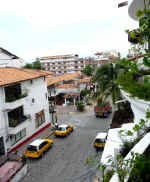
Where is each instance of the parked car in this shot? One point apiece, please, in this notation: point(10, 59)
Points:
point(63, 130)
point(100, 139)
point(38, 147)
point(103, 110)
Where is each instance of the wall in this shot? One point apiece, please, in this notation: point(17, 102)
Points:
point(7, 61)
point(37, 90)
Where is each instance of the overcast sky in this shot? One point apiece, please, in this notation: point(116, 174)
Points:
point(33, 28)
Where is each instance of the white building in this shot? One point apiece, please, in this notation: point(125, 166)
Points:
point(8, 59)
point(139, 108)
point(61, 64)
point(24, 109)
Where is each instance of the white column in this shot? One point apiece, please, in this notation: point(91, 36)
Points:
point(65, 101)
point(74, 101)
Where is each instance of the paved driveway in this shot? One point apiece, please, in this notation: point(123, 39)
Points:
point(65, 162)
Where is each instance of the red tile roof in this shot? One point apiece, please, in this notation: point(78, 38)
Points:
point(66, 86)
point(58, 57)
point(69, 76)
point(14, 75)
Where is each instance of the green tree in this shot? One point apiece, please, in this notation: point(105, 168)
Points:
point(28, 66)
point(35, 65)
point(88, 70)
point(105, 77)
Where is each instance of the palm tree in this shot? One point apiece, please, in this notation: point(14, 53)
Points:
point(105, 77)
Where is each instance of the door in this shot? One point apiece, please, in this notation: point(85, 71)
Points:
point(2, 147)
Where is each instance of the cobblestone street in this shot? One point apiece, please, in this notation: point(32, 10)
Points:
point(65, 162)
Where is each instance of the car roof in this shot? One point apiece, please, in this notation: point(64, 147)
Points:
point(63, 125)
point(37, 142)
point(101, 135)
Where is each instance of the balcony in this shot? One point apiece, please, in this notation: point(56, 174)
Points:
point(15, 98)
point(15, 122)
point(139, 106)
point(17, 119)
point(19, 127)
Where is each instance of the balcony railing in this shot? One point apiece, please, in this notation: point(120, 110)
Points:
point(14, 98)
point(15, 122)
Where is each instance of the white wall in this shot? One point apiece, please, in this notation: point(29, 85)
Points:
point(7, 61)
point(37, 90)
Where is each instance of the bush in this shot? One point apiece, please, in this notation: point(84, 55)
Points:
point(85, 92)
point(127, 146)
point(135, 88)
point(80, 106)
point(108, 175)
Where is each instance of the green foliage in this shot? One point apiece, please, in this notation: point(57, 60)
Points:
point(148, 114)
point(136, 89)
point(13, 123)
point(85, 92)
point(80, 106)
point(35, 65)
point(128, 145)
point(28, 66)
point(14, 98)
point(105, 77)
point(88, 70)
point(140, 13)
point(141, 169)
point(108, 175)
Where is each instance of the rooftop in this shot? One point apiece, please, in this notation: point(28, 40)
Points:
point(37, 142)
point(66, 86)
point(69, 76)
point(13, 75)
point(58, 56)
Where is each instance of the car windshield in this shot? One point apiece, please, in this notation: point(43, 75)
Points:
point(32, 148)
point(61, 129)
point(98, 140)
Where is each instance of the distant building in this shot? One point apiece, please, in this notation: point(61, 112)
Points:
point(8, 59)
point(61, 64)
point(106, 57)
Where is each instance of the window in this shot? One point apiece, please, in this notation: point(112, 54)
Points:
point(43, 144)
point(12, 92)
point(40, 118)
point(18, 136)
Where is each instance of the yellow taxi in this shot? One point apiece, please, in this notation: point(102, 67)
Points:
point(100, 139)
point(38, 147)
point(63, 130)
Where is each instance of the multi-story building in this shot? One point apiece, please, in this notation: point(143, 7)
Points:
point(105, 57)
point(24, 109)
point(139, 105)
point(72, 63)
point(62, 63)
point(8, 59)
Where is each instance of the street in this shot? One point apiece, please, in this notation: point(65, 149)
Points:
point(66, 160)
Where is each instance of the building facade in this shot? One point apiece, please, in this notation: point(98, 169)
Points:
point(72, 63)
point(24, 108)
point(61, 64)
point(8, 59)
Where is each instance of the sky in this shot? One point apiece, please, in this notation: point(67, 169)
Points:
point(35, 28)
